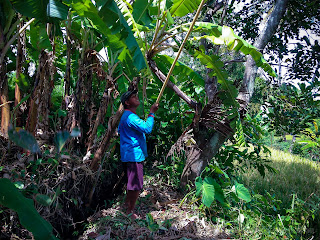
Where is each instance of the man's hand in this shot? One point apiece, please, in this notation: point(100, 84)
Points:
point(154, 108)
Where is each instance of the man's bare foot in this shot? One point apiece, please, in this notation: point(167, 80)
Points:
point(133, 216)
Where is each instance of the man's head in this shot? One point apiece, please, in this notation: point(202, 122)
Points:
point(130, 99)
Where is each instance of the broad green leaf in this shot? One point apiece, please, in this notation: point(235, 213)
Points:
point(219, 195)
point(152, 225)
point(182, 72)
point(39, 37)
point(19, 185)
point(228, 92)
point(205, 27)
point(43, 10)
point(125, 57)
point(57, 10)
point(141, 12)
point(23, 139)
point(239, 135)
point(170, 20)
point(181, 8)
point(62, 113)
point(198, 183)
point(32, 8)
point(242, 192)
point(233, 42)
point(208, 191)
point(5, 12)
point(10, 197)
point(114, 19)
point(206, 188)
point(310, 144)
point(111, 23)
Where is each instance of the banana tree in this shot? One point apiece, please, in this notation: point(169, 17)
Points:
point(42, 37)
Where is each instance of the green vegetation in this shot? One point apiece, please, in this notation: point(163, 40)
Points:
point(63, 67)
point(293, 192)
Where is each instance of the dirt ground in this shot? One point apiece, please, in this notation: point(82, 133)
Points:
point(160, 217)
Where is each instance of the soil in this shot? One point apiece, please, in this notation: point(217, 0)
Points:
point(160, 217)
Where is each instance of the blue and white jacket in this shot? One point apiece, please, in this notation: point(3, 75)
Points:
point(132, 129)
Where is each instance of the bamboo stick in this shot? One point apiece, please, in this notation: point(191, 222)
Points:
point(179, 52)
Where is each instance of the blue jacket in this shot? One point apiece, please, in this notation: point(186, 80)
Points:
point(132, 129)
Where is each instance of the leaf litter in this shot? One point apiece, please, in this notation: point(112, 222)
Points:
point(160, 217)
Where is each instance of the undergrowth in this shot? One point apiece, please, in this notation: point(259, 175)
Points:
point(252, 201)
point(286, 201)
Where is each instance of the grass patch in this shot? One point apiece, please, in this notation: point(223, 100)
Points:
point(295, 175)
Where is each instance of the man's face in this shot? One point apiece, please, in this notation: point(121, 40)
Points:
point(133, 101)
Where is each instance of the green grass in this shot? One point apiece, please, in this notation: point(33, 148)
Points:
point(295, 175)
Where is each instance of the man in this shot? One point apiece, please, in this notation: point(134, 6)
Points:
point(133, 147)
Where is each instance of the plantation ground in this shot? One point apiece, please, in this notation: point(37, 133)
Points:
point(163, 217)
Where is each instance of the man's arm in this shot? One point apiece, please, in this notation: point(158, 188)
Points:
point(143, 126)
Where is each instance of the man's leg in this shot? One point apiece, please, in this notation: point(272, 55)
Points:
point(134, 186)
point(131, 199)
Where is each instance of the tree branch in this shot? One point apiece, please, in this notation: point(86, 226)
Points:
point(162, 77)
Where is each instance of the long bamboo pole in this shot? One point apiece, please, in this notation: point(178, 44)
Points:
point(179, 52)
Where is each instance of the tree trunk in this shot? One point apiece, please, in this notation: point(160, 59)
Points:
point(260, 43)
point(292, 143)
point(106, 99)
point(36, 96)
point(38, 118)
point(4, 99)
point(5, 107)
point(19, 62)
point(82, 95)
point(67, 77)
point(209, 139)
point(103, 147)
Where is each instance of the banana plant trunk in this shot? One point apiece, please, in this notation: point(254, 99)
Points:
point(4, 98)
point(37, 93)
point(5, 107)
point(19, 62)
point(38, 118)
point(105, 102)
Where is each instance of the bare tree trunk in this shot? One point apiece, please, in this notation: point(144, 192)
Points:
point(292, 143)
point(260, 43)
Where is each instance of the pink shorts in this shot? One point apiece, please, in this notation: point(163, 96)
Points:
point(134, 172)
